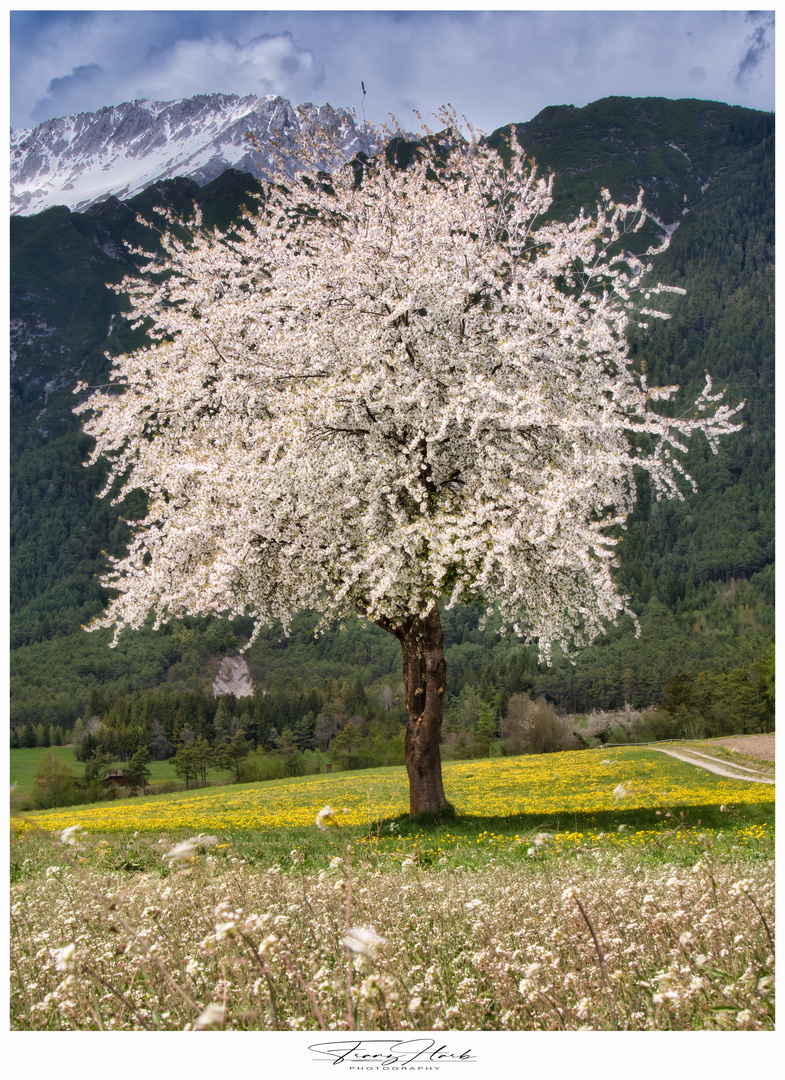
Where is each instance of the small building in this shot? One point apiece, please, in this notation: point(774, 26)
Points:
point(117, 778)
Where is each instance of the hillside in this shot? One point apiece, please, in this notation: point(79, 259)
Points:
point(700, 572)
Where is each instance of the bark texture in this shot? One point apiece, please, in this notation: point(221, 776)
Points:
point(424, 671)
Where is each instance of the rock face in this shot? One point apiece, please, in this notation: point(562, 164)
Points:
point(120, 150)
point(233, 678)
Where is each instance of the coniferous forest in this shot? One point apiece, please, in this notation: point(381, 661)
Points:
point(700, 572)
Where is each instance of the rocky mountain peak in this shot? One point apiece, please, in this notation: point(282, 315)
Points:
point(120, 150)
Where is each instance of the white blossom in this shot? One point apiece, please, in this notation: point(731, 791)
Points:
point(740, 888)
point(187, 848)
point(64, 960)
point(267, 944)
point(211, 1015)
point(72, 835)
point(418, 391)
point(364, 940)
point(325, 818)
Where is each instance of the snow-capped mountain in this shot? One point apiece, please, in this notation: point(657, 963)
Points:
point(120, 150)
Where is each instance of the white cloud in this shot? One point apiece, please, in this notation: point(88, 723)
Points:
point(270, 63)
point(139, 54)
point(495, 66)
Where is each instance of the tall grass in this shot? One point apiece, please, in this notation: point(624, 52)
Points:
point(342, 933)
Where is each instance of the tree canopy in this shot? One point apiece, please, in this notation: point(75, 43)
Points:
point(394, 385)
point(387, 388)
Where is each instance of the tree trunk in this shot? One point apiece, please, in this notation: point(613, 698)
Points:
point(424, 671)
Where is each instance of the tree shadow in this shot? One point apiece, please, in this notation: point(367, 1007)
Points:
point(668, 819)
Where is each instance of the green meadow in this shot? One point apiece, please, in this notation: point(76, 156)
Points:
point(24, 763)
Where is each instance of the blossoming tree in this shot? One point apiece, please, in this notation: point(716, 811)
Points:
point(389, 389)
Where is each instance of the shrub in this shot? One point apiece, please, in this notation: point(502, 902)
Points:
point(260, 766)
point(313, 762)
point(55, 783)
point(165, 787)
point(459, 746)
point(532, 727)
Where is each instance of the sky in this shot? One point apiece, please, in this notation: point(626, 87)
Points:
point(492, 66)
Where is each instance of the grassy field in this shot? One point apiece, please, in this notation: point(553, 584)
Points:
point(613, 783)
point(24, 762)
point(618, 889)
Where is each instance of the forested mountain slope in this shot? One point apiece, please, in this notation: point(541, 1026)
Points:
point(700, 572)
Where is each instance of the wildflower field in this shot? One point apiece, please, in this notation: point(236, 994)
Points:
point(619, 889)
point(562, 784)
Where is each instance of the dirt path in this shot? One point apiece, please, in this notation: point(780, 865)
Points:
point(709, 764)
point(759, 746)
point(723, 761)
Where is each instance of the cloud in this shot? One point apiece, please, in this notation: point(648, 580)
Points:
point(496, 66)
point(757, 46)
point(268, 63)
point(159, 55)
point(66, 89)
